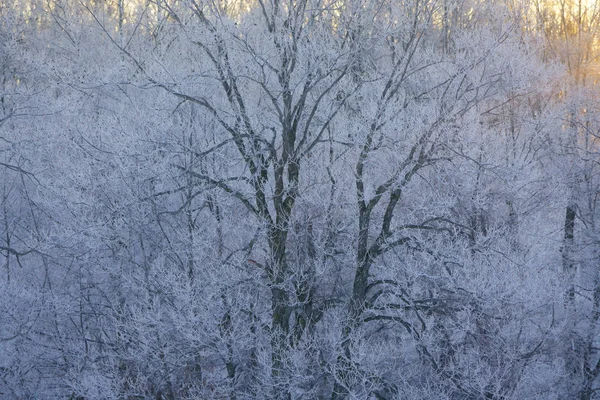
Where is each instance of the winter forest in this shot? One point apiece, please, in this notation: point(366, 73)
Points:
point(300, 199)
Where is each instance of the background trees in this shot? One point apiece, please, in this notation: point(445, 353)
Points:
point(313, 199)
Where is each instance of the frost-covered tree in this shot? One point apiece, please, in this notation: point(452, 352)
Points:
point(297, 199)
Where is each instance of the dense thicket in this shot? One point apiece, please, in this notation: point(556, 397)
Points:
point(310, 199)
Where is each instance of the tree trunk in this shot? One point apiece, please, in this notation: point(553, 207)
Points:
point(567, 251)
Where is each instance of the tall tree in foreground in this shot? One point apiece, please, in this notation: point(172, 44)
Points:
point(271, 81)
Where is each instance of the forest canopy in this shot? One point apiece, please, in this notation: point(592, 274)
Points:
point(310, 199)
